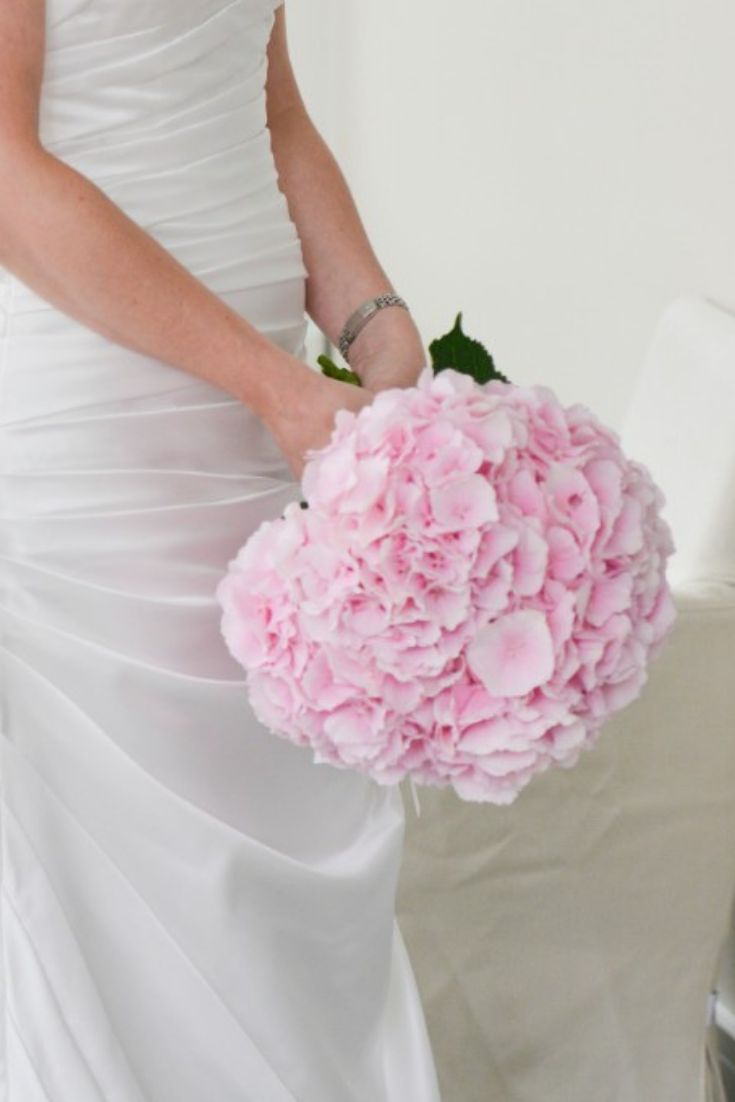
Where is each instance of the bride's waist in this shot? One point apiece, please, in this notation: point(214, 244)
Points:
point(57, 373)
point(233, 239)
point(202, 180)
point(208, 193)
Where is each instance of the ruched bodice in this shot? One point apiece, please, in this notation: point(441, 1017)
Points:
point(190, 907)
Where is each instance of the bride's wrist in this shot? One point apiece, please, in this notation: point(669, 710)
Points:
point(390, 329)
point(285, 385)
point(389, 351)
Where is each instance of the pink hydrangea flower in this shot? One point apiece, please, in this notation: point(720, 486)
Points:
point(477, 585)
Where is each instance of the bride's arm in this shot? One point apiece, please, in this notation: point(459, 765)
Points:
point(343, 268)
point(62, 236)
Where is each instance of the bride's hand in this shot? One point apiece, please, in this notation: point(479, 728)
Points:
point(308, 423)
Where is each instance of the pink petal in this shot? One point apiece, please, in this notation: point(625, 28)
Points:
point(513, 654)
point(609, 595)
point(465, 501)
point(627, 534)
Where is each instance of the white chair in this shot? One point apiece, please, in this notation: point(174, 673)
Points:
point(566, 947)
point(725, 1010)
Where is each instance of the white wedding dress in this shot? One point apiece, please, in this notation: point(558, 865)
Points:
point(192, 910)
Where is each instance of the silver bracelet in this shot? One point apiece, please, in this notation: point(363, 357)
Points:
point(359, 317)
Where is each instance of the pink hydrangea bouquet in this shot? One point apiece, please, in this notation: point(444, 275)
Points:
point(474, 584)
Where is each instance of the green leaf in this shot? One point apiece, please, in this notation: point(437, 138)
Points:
point(330, 368)
point(465, 354)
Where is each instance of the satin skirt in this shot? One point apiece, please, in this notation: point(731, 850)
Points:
point(190, 907)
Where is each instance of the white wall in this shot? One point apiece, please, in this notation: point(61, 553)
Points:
point(557, 171)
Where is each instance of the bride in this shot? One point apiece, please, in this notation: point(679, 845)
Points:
point(191, 907)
